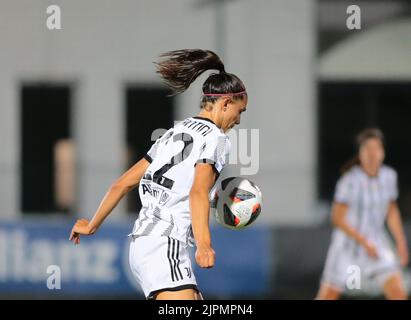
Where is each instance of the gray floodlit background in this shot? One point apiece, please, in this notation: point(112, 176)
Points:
point(79, 105)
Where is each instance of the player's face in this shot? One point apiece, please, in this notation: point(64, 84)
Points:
point(372, 153)
point(232, 112)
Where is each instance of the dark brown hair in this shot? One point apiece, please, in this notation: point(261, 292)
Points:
point(180, 68)
point(362, 137)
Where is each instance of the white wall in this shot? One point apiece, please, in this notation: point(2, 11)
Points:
point(380, 53)
point(105, 44)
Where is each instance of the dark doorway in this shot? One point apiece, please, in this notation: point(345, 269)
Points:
point(45, 121)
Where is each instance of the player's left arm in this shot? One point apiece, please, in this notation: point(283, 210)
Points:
point(125, 183)
point(204, 179)
point(395, 226)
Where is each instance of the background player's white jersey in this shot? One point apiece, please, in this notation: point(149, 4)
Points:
point(368, 199)
point(166, 184)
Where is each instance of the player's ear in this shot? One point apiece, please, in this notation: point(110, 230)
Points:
point(226, 102)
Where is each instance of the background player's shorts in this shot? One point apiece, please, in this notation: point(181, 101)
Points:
point(341, 264)
point(161, 264)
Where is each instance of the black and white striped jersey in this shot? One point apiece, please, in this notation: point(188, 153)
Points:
point(165, 186)
point(368, 199)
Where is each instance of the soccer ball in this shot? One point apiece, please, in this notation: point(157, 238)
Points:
point(236, 203)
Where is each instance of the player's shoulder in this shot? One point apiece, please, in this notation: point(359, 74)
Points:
point(351, 175)
point(217, 137)
point(388, 171)
point(218, 134)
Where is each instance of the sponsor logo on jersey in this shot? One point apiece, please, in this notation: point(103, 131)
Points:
point(161, 195)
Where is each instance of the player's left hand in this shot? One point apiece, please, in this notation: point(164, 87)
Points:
point(205, 256)
point(402, 250)
point(80, 227)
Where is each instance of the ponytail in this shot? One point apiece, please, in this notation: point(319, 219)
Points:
point(181, 67)
point(352, 162)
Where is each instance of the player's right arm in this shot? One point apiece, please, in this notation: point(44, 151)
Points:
point(126, 182)
point(339, 219)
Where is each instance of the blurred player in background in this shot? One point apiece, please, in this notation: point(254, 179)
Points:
point(175, 178)
point(364, 200)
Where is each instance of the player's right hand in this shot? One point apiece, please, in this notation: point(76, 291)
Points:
point(81, 227)
point(205, 256)
point(371, 249)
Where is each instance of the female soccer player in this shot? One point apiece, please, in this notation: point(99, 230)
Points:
point(364, 200)
point(175, 178)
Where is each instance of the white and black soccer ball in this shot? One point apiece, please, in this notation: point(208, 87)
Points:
point(236, 203)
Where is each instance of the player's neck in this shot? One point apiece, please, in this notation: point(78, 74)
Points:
point(370, 171)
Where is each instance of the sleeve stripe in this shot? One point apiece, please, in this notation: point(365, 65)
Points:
point(148, 158)
point(212, 165)
point(206, 161)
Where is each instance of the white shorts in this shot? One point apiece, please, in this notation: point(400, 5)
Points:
point(161, 264)
point(340, 264)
